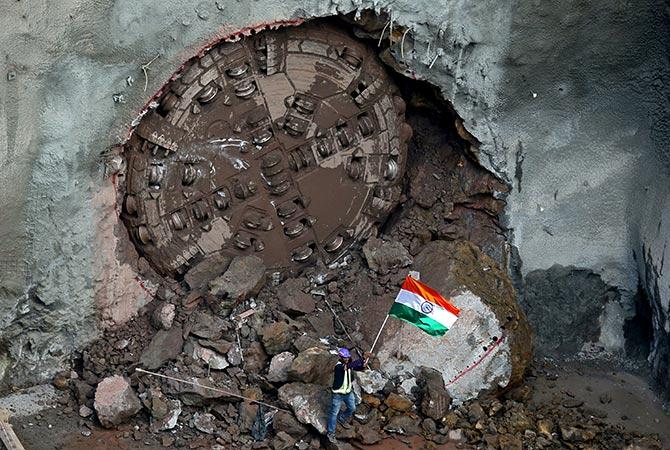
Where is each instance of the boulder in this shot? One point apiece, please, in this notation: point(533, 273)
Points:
point(279, 366)
point(115, 401)
point(305, 341)
point(314, 365)
point(199, 394)
point(285, 422)
point(245, 277)
point(206, 325)
point(208, 357)
point(204, 422)
point(166, 345)
point(199, 276)
point(370, 381)
point(277, 337)
point(309, 402)
point(254, 358)
point(402, 424)
point(490, 345)
point(398, 402)
point(234, 355)
point(163, 316)
point(293, 300)
point(322, 323)
point(164, 411)
point(385, 256)
point(435, 399)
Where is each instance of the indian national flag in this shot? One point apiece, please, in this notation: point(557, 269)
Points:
point(423, 307)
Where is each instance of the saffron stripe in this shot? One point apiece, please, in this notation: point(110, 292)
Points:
point(402, 312)
point(430, 294)
point(421, 305)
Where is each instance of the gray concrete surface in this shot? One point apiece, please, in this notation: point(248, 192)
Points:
point(569, 101)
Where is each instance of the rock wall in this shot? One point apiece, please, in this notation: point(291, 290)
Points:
point(567, 101)
point(652, 252)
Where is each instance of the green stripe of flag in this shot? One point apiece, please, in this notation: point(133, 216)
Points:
point(417, 319)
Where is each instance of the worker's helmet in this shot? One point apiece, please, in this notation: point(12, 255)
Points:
point(344, 353)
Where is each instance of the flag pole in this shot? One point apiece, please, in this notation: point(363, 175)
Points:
point(379, 333)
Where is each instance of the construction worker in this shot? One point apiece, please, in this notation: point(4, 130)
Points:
point(342, 391)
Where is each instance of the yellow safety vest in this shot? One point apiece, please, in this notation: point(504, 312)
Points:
point(346, 382)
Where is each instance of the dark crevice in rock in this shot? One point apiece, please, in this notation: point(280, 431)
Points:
point(639, 330)
point(518, 168)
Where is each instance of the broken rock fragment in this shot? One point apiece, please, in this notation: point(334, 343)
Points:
point(115, 401)
point(207, 326)
point(164, 346)
point(245, 277)
point(385, 256)
point(293, 300)
point(164, 411)
point(309, 403)
point(370, 381)
point(277, 337)
point(314, 365)
point(191, 394)
point(285, 422)
point(279, 367)
point(435, 399)
point(163, 316)
point(234, 355)
point(254, 358)
point(402, 424)
point(210, 358)
point(204, 422)
point(398, 402)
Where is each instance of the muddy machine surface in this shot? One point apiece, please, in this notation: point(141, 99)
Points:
point(290, 145)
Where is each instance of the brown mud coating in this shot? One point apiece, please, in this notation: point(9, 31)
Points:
point(290, 145)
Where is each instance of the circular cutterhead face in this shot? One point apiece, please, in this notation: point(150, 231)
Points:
point(289, 145)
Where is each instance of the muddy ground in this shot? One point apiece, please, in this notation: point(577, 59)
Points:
point(634, 407)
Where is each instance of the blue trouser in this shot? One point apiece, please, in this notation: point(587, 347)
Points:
point(336, 404)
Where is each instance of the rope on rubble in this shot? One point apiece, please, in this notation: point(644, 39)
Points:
point(215, 389)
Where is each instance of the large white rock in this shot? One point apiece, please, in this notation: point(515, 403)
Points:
point(489, 346)
point(456, 351)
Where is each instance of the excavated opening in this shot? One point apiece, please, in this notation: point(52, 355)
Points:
point(259, 147)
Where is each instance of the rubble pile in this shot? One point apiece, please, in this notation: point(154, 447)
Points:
point(257, 352)
point(283, 356)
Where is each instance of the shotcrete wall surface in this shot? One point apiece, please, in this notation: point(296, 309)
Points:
point(566, 100)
